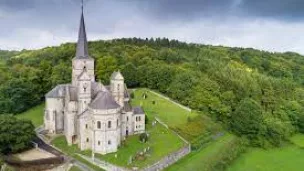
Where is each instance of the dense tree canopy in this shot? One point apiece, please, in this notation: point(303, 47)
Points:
point(254, 93)
point(15, 135)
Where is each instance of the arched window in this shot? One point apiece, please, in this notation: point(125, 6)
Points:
point(86, 125)
point(118, 87)
point(117, 122)
point(109, 142)
point(109, 124)
point(127, 118)
point(139, 118)
point(98, 124)
point(87, 139)
point(98, 142)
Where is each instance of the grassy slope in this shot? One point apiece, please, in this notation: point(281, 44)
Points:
point(198, 159)
point(288, 158)
point(168, 112)
point(74, 168)
point(35, 115)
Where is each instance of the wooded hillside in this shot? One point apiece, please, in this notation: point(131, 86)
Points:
point(256, 94)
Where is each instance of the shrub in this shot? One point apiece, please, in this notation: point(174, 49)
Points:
point(143, 137)
point(146, 119)
point(132, 95)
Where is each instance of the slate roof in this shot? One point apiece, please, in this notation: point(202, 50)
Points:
point(82, 44)
point(104, 101)
point(57, 92)
point(138, 110)
point(127, 107)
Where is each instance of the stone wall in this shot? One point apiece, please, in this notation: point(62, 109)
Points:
point(169, 159)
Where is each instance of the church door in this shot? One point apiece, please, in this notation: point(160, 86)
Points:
point(74, 137)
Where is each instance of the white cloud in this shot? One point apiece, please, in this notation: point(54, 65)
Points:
point(262, 34)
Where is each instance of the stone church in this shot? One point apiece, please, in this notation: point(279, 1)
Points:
point(94, 116)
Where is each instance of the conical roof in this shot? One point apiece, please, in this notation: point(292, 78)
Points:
point(116, 76)
point(82, 44)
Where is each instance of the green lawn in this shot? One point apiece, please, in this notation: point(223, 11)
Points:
point(288, 158)
point(74, 168)
point(298, 140)
point(168, 112)
point(197, 160)
point(35, 115)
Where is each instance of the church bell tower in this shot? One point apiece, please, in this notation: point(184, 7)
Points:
point(82, 62)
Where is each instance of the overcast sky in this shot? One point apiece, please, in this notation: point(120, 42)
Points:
point(274, 25)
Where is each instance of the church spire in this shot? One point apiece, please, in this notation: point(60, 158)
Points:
point(82, 44)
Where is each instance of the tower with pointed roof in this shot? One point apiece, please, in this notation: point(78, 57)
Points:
point(82, 60)
point(117, 87)
point(86, 112)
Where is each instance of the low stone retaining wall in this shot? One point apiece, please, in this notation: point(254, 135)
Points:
point(47, 161)
point(169, 160)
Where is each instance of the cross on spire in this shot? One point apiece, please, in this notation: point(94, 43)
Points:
point(82, 6)
point(82, 44)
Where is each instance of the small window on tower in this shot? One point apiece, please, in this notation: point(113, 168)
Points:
point(87, 139)
point(98, 124)
point(109, 142)
point(109, 124)
point(86, 126)
point(84, 68)
point(127, 118)
point(98, 142)
point(84, 89)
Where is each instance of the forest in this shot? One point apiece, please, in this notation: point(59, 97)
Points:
point(254, 94)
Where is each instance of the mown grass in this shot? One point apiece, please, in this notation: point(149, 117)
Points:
point(170, 113)
point(34, 114)
point(74, 168)
point(287, 158)
point(298, 140)
point(198, 160)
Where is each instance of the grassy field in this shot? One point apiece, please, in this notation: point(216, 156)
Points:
point(298, 140)
point(35, 115)
point(197, 160)
point(74, 168)
point(288, 158)
point(168, 112)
